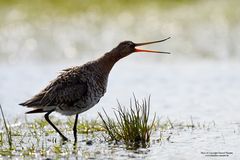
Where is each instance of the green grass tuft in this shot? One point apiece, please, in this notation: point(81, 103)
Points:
point(131, 125)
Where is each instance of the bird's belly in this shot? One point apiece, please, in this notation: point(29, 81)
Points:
point(86, 102)
point(90, 102)
point(95, 91)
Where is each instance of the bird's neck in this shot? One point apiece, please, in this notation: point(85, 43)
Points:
point(107, 61)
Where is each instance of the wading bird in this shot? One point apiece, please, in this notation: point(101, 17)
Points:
point(79, 88)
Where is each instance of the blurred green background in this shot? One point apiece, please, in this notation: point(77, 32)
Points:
point(69, 29)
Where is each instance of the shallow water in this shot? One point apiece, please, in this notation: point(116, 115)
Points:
point(207, 91)
point(182, 144)
point(204, 141)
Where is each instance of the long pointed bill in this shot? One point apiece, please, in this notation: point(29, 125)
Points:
point(152, 51)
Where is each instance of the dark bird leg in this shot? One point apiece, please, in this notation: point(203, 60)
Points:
point(75, 129)
point(48, 120)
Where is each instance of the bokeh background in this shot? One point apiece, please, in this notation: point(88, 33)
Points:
point(200, 79)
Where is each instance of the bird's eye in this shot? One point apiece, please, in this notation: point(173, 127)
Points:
point(130, 44)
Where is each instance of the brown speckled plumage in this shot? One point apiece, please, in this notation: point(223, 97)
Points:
point(73, 91)
point(79, 88)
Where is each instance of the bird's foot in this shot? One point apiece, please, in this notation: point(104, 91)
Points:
point(75, 147)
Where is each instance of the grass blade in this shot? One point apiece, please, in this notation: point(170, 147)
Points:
point(8, 130)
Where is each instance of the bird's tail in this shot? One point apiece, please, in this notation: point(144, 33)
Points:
point(34, 102)
point(40, 110)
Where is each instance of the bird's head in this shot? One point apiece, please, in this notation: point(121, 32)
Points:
point(127, 47)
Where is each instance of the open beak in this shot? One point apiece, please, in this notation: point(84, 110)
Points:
point(146, 43)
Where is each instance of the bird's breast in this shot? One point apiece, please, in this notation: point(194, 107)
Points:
point(96, 88)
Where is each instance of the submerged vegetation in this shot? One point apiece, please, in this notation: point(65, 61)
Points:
point(131, 129)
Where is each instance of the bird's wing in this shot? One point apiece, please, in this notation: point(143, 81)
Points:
point(62, 94)
point(67, 88)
